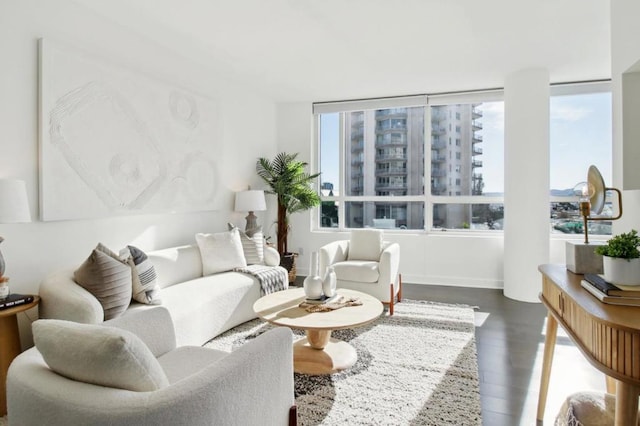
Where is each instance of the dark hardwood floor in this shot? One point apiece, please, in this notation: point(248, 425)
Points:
point(510, 342)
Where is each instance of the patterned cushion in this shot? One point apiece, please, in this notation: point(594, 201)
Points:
point(145, 286)
point(252, 245)
point(108, 278)
point(220, 252)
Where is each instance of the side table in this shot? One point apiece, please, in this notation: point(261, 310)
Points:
point(10, 345)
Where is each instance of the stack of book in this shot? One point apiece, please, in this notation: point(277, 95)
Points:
point(15, 299)
point(609, 293)
point(322, 300)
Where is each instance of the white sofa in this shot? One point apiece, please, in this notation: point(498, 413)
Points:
point(200, 307)
point(251, 386)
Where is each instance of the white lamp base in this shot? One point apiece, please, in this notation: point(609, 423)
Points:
point(582, 259)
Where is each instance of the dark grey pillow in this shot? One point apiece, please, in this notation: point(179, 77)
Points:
point(108, 278)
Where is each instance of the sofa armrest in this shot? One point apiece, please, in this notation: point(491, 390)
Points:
point(251, 386)
point(332, 253)
point(153, 326)
point(389, 264)
point(61, 298)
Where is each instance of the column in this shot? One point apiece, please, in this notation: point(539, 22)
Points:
point(526, 189)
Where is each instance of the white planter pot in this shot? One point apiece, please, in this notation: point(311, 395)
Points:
point(621, 271)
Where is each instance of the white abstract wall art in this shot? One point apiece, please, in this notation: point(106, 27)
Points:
point(117, 142)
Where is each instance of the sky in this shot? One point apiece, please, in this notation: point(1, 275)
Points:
point(580, 135)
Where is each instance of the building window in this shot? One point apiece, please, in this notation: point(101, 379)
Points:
point(580, 135)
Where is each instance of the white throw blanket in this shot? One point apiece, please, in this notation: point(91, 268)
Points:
point(271, 278)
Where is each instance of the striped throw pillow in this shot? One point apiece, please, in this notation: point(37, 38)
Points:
point(143, 274)
point(252, 246)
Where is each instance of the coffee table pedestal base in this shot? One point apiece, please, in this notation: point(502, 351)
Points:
point(335, 356)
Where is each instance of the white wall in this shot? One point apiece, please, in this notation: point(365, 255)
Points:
point(33, 250)
point(625, 52)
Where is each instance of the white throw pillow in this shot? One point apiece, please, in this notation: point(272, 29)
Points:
point(221, 251)
point(365, 244)
point(97, 354)
point(271, 256)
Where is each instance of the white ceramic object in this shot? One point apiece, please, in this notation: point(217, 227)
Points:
point(312, 284)
point(329, 282)
point(4, 290)
point(621, 271)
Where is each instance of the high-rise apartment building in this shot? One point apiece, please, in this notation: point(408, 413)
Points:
point(385, 157)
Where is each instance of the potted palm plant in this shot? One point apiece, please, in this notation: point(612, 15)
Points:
point(288, 179)
point(621, 259)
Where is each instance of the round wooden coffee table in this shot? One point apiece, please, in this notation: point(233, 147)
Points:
point(318, 352)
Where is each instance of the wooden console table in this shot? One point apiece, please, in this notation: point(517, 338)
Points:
point(607, 335)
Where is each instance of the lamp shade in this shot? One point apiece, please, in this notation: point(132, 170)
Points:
point(14, 206)
point(251, 200)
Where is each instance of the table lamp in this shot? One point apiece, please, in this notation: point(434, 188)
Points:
point(581, 258)
point(251, 200)
point(14, 208)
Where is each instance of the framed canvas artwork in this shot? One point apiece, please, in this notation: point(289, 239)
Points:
point(118, 142)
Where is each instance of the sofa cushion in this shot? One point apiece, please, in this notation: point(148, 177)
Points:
point(145, 286)
point(365, 244)
point(108, 279)
point(221, 251)
point(184, 361)
point(357, 270)
point(204, 307)
point(104, 356)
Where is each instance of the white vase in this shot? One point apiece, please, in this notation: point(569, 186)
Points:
point(329, 282)
point(312, 284)
point(621, 271)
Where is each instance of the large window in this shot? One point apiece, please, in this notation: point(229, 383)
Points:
point(467, 183)
point(411, 167)
point(437, 162)
point(580, 135)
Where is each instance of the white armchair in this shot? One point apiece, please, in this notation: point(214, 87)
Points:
point(251, 386)
point(366, 263)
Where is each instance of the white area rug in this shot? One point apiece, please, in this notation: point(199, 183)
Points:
point(418, 367)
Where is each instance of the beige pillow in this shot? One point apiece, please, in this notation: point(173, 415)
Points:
point(220, 252)
point(97, 354)
point(365, 244)
point(108, 278)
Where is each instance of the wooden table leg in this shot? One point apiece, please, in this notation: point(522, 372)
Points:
point(626, 404)
point(611, 384)
point(549, 346)
point(318, 353)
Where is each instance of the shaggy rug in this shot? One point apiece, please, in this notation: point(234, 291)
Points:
point(417, 367)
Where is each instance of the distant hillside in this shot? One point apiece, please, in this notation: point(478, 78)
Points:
point(553, 193)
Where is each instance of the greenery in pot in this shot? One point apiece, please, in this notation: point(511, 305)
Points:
point(288, 180)
point(623, 246)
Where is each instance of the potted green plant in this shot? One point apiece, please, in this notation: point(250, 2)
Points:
point(621, 259)
point(288, 179)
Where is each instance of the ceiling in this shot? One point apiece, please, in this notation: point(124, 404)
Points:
point(320, 50)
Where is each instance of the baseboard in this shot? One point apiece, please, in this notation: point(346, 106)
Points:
point(473, 282)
